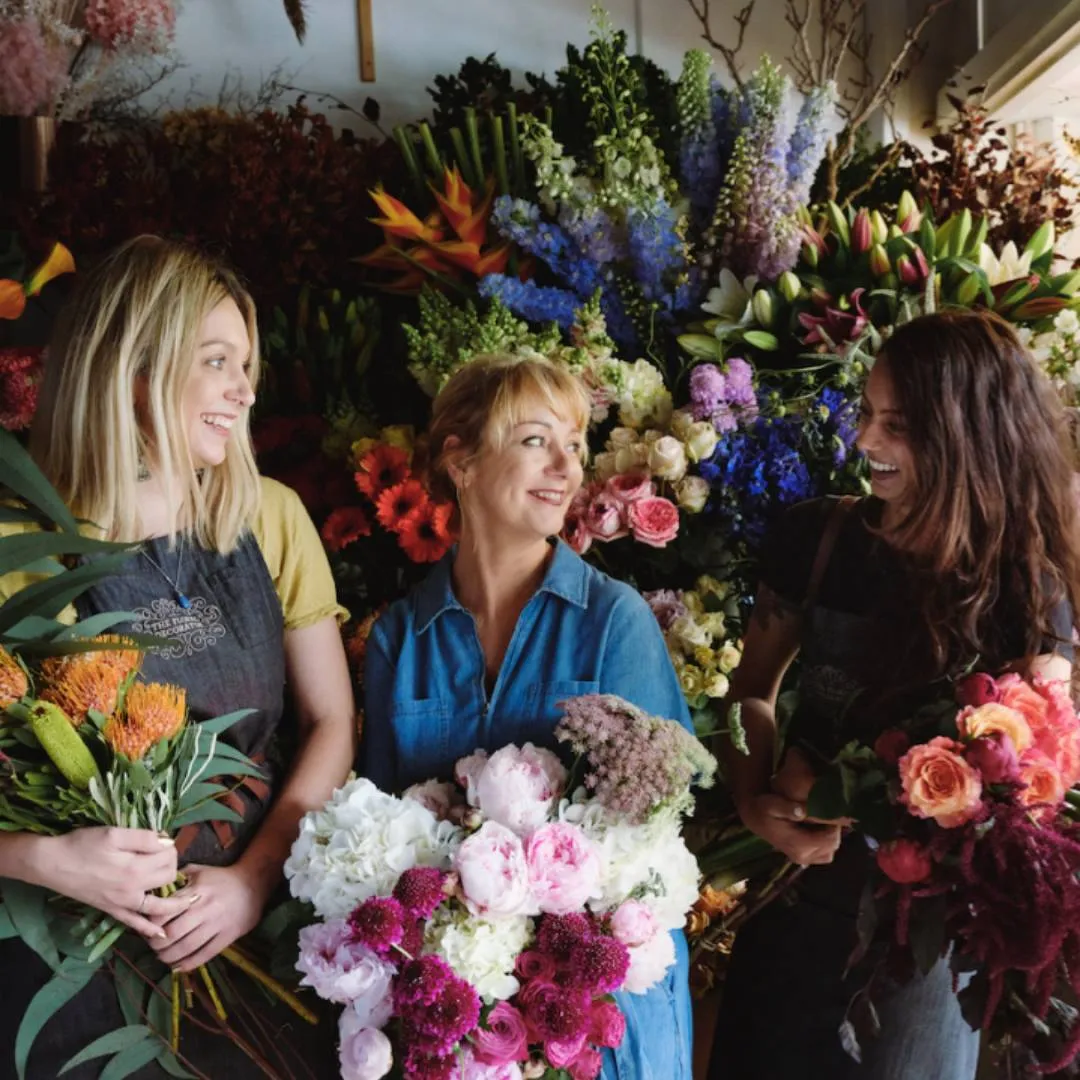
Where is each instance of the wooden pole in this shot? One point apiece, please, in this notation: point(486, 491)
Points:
point(367, 40)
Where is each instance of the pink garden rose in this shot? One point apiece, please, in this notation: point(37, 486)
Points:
point(518, 786)
point(649, 963)
point(629, 487)
point(338, 969)
point(607, 1024)
point(493, 873)
point(473, 1067)
point(365, 1052)
point(587, 1065)
point(938, 783)
point(576, 533)
point(503, 1037)
point(654, 521)
point(564, 868)
point(995, 757)
point(634, 923)
point(904, 861)
point(605, 517)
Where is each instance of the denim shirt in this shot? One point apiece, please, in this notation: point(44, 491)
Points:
point(426, 705)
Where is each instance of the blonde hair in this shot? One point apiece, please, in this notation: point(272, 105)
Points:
point(483, 401)
point(137, 314)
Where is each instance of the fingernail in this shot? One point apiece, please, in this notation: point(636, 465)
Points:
point(798, 812)
point(193, 897)
point(161, 933)
point(166, 841)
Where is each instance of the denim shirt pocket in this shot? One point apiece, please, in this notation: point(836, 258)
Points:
point(542, 704)
point(421, 729)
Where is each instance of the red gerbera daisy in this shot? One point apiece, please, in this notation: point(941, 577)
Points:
point(426, 535)
point(344, 526)
point(397, 504)
point(380, 468)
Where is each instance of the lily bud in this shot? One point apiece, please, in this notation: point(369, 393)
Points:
point(809, 255)
point(907, 213)
point(895, 232)
point(790, 286)
point(762, 304)
point(879, 261)
point(906, 271)
point(861, 233)
point(839, 224)
point(878, 227)
point(1040, 307)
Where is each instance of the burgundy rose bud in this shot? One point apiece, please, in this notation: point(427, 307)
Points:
point(891, 745)
point(904, 861)
point(976, 690)
point(995, 757)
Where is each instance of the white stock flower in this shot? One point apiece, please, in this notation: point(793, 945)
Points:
point(1066, 322)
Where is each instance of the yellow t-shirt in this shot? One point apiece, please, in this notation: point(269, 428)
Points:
point(290, 546)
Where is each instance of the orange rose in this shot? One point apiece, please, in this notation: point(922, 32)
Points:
point(993, 718)
point(1044, 784)
point(1018, 695)
point(938, 783)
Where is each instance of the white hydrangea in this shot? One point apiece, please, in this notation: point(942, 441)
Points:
point(481, 951)
point(360, 843)
point(648, 862)
point(643, 400)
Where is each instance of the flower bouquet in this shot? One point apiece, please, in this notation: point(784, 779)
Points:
point(479, 928)
point(969, 809)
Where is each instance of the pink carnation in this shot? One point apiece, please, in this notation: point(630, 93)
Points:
point(654, 521)
point(503, 1037)
point(34, 73)
point(587, 1065)
point(564, 868)
point(113, 23)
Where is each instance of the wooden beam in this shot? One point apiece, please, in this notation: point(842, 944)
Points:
point(367, 40)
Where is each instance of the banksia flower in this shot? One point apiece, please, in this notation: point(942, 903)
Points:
point(56, 733)
point(152, 712)
point(88, 680)
point(13, 681)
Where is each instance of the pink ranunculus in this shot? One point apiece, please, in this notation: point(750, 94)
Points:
point(654, 521)
point(891, 745)
point(634, 923)
point(938, 783)
point(629, 487)
point(649, 963)
point(439, 797)
point(587, 1065)
point(473, 1067)
point(978, 689)
point(340, 970)
point(467, 771)
point(904, 861)
point(606, 518)
point(518, 787)
point(365, 1052)
point(493, 872)
point(503, 1037)
point(607, 1024)
point(1044, 785)
point(995, 757)
point(564, 868)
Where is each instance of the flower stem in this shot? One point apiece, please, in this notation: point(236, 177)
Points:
point(175, 1039)
point(238, 959)
point(211, 989)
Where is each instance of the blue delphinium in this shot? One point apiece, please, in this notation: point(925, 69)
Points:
point(817, 123)
point(657, 254)
point(526, 299)
point(699, 157)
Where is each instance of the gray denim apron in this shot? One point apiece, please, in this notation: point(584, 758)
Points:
point(228, 655)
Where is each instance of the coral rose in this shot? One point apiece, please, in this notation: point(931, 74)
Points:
point(993, 719)
point(654, 521)
point(1026, 700)
point(1045, 786)
point(904, 861)
point(938, 783)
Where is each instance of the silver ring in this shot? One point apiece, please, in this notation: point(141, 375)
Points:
point(142, 904)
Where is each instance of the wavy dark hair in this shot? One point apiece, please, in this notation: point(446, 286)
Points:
point(991, 537)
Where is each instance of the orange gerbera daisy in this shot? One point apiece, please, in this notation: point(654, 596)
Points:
point(152, 712)
point(345, 526)
point(398, 504)
point(425, 536)
point(380, 468)
point(13, 681)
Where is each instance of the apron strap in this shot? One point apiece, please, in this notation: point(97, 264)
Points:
point(837, 516)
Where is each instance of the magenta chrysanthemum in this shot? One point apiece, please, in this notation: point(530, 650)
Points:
point(420, 891)
point(419, 982)
point(599, 964)
point(34, 73)
point(113, 23)
point(378, 923)
point(560, 934)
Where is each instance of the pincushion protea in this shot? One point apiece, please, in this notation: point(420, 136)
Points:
point(152, 712)
point(89, 680)
point(13, 681)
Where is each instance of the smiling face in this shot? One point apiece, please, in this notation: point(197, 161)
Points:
point(523, 488)
point(218, 393)
point(883, 439)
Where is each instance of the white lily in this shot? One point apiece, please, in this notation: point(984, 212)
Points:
point(1008, 266)
point(730, 301)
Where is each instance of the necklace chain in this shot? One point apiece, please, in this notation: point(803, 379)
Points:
point(181, 599)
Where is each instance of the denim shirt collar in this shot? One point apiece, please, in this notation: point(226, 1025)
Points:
point(566, 577)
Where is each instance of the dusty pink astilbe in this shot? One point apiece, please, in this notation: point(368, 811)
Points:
point(147, 23)
point(636, 762)
point(33, 72)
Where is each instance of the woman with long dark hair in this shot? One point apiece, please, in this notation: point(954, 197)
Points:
point(965, 554)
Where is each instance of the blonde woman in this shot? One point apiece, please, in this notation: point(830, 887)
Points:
point(143, 429)
point(511, 622)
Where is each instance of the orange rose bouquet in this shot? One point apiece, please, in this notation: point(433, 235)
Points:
point(970, 811)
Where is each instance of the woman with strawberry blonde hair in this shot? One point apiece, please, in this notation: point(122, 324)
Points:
point(964, 555)
point(143, 430)
point(512, 622)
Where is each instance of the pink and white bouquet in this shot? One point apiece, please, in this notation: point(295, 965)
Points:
point(477, 929)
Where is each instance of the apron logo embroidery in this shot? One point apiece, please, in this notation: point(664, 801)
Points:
point(193, 628)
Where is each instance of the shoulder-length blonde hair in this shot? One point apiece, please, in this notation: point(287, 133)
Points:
point(134, 321)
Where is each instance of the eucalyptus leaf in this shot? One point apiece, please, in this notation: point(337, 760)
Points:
point(131, 1059)
point(131, 991)
point(71, 977)
point(112, 1043)
point(25, 906)
point(167, 1060)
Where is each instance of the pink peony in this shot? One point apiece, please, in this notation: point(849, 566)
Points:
point(467, 770)
point(437, 796)
point(904, 861)
point(634, 923)
point(365, 1052)
point(563, 866)
point(34, 73)
point(1057, 735)
point(891, 745)
point(649, 963)
point(587, 1065)
point(605, 518)
point(518, 787)
point(503, 1037)
point(473, 1067)
point(607, 1025)
point(976, 690)
point(493, 872)
point(340, 970)
point(630, 487)
point(995, 757)
point(654, 521)
point(938, 783)
point(113, 23)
